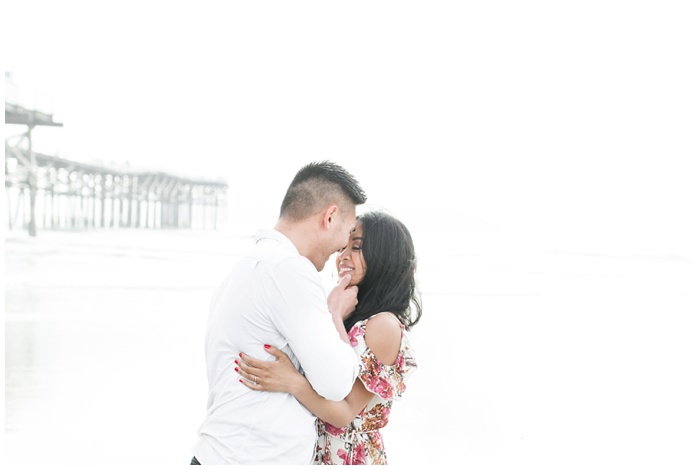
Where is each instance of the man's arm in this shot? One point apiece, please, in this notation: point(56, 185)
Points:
point(383, 337)
point(280, 375)
point(302, 316)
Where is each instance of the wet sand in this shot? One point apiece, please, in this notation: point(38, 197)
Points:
point(525, 357)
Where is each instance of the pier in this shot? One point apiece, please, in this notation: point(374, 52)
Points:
point(50, 192)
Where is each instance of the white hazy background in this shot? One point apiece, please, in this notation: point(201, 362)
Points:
point(543, 154)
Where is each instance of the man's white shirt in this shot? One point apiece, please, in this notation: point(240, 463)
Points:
point(273, 296)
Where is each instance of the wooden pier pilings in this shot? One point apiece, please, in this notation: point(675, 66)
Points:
point(72, 194)
point(51, 192)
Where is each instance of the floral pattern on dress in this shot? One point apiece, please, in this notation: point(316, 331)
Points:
point(360, 443)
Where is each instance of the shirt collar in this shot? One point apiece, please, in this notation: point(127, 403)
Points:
point(271, 234)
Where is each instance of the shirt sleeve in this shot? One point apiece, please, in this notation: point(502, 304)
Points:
point(301, 315)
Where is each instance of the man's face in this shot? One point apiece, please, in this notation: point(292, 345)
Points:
point(335, 237)
point(349, 225)
point(341, 228)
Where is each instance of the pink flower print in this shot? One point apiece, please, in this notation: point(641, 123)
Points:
point(353, 334)
point(344, 456)
point(400, 362)
point(381, 387)
point(358, 455)
point(332, 430)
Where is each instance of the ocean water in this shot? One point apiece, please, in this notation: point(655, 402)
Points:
point(527, 354)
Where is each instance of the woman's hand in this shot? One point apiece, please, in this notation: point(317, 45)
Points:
point(342, 299)
point(279, 375)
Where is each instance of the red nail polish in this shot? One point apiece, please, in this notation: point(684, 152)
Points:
point(236, 361)
point(236, 369)
point(267, 346)
point(240, 355)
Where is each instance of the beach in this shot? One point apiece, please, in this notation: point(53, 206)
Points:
point(527, 354)
point(543, 156)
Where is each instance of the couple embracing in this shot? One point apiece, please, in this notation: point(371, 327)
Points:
point(296, 375)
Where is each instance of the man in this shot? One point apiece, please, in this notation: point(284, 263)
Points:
point(274, 296)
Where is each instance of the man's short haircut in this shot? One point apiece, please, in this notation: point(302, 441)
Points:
point(317, 185)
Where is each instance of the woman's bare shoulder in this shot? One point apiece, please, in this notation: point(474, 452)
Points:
point(383, 337)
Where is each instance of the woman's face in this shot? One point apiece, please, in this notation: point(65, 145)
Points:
point(350, 259)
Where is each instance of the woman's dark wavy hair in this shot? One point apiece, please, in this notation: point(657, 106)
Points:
point(389, 284)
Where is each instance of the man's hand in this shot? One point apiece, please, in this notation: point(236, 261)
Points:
point(342, 299)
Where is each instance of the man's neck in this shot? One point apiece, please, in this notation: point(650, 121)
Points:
point(302, 236)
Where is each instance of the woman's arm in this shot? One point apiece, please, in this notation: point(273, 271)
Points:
point(281, 376)
point(382, 336)
point(338, 413)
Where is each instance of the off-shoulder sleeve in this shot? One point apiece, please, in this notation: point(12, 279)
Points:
point(387, 381)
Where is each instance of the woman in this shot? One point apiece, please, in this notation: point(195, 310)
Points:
point(380, 258)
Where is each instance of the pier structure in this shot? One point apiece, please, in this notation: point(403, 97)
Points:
point(51, 192)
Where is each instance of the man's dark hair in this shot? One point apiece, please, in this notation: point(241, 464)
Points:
point(318, 184)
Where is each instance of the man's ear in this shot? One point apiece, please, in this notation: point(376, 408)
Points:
point(329, 215)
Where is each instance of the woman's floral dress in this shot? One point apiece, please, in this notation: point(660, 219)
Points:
point(360, 443)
